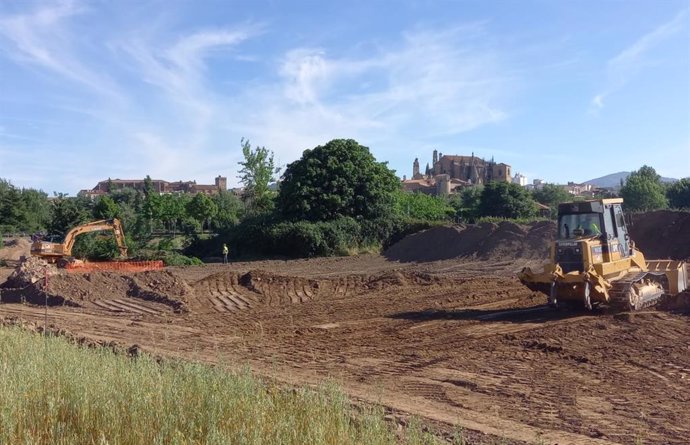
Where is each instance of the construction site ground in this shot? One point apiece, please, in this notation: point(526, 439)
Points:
point(438, 328)
point(458, 343)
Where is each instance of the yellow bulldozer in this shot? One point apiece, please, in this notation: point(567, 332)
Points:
point(61, 253)
point(594, 261)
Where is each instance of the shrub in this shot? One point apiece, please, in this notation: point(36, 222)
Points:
point(169, 258)
point(341, 235)
point(300, 239)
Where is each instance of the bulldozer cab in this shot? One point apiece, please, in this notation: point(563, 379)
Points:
point(600, 219)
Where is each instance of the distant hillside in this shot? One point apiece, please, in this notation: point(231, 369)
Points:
point(614, 180)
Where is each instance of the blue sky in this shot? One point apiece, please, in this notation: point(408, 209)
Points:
point(560, 90)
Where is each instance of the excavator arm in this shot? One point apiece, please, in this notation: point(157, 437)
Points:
point(96, 226)
point(55, 251)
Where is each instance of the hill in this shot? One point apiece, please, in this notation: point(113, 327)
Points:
point(614, 180)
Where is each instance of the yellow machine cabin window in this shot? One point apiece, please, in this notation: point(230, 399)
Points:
point(577, 225)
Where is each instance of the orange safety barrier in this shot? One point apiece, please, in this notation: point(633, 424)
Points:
point(124, 266)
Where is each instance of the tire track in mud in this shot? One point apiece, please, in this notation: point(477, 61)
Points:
point(458, 346)
point(233, 292)
point(120, 305)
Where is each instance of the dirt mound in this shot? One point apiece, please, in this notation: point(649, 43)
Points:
point(662, 234)
point(678, 303)
point(79, 289)
point(15, 249)
point(33, 270)
point(486, 241)
point(232, 291)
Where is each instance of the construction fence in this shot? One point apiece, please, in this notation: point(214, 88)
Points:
point(123, 266)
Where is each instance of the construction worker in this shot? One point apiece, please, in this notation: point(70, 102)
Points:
point(225, 253)
point(592, 228)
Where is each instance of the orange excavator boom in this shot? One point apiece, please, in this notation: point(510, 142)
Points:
point(55, 251)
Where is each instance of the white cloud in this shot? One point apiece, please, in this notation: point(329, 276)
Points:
point(430, 84)
point(179, 124)
point(42, 38)
point(632, 59)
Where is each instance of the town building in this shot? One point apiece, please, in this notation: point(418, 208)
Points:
point(520, 179)
point(449, 173)
point(159, 186)
point(579, 189)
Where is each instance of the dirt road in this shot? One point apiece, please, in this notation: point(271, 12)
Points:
point(456, 342)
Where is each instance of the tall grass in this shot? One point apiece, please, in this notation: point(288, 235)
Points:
point(53, 392)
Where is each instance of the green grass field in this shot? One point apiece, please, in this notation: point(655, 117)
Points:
point(53, 392)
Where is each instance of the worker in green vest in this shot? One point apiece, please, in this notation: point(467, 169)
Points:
point(225, 253)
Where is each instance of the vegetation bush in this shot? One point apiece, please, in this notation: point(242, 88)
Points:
point(169, 258)
point(678, 194)
point(341, 235)
point(270, 236)
point(298, 239)
point(506, 200)
point(551, 195)
point(53, 392)
point(423, 207)
point(495, 219)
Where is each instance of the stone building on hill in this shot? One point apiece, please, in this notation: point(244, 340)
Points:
point(159, 186)
point(448, 173)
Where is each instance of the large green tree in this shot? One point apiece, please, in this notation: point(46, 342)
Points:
point(643, 190)
point(506, 200)
point(202, 208)
point(551, 195)
point(106, 208)
point(341, 178)
point(679, 194)
point(229, 210)
point(173, 210)
point(257, 172)
point(12, 209)
point(66, 213)
point(466, 203)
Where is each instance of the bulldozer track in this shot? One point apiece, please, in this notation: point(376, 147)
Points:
point(119, 305)
point(230, 302)
point(222, 293)
point(621, 288)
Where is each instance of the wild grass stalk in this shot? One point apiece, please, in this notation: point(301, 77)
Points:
point(53, 392)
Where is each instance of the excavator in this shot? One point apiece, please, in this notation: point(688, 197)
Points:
point(594, 261)
point(61, 253)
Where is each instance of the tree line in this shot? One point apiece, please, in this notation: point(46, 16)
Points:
point(336, 199)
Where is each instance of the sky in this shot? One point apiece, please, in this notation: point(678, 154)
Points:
point(560, 90)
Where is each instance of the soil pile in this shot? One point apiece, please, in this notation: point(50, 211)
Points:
point(231, 291)
point(486, 241)
point(677, 303)
point(662, 234)
point(270, 285)
point(76, 289)
point(33, 270)
point(15, 249)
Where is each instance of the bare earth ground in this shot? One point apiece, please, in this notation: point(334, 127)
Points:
point(457, 343)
